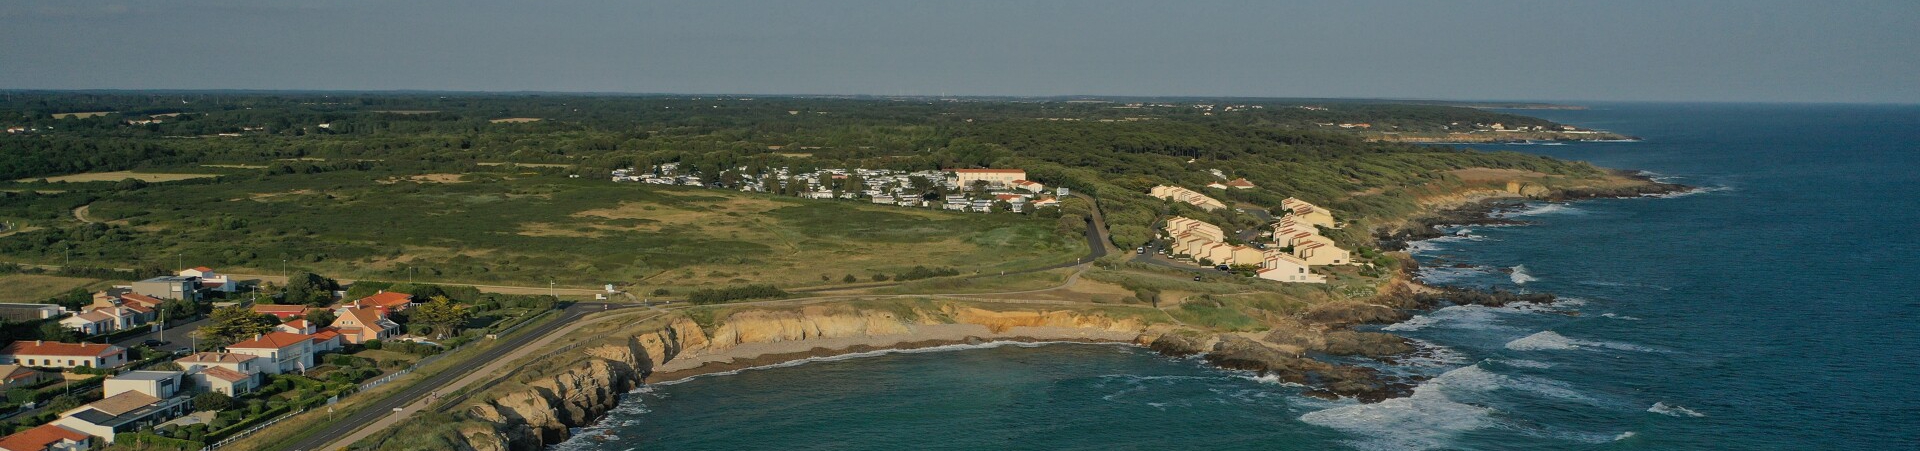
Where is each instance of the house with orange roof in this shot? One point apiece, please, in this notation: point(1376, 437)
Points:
point(47, 437)
point(358, 325)
point(327, 339)
point(1240, 183)
point(241, 363)
point(50, 354)
point(225, 381)
point(388, 300)
point(12, 376)
point(223, 372)
point(282, 352)
point(284, 312)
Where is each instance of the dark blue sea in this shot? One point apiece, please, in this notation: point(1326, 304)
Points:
point(1776, 307)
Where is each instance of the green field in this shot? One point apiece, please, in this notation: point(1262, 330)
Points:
point(515, 229)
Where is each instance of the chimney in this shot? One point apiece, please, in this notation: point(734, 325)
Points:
point(256, 336)
point(39, 342)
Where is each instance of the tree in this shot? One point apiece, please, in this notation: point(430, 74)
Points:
point(212, 401)
point(229, 325)
point(52, 331)
point(850, 279)
point(441, 314)
point(320, 318)
point(310, 289)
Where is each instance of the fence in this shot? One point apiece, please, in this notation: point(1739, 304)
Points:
point(256, 428)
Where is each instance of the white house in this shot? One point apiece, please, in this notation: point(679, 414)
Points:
point(281, 352)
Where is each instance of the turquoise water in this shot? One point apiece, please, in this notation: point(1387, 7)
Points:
point(1773, 309)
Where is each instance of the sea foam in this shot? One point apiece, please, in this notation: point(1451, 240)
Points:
point(1553, 341)
point(1520, 276)
point(1674, 410)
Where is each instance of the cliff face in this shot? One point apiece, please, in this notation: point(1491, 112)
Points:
point(542, 413)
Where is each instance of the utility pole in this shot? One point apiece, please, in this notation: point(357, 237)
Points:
point(550, 288)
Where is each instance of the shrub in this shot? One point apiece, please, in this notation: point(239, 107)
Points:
point(717, 295)
point(212, 401)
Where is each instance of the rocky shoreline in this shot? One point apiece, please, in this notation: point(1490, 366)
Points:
point(590, 382)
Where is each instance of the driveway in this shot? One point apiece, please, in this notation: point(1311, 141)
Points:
point(176, 336)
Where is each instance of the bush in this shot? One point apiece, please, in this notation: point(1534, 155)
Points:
point(212, 401)
point(717, 295)
point(374, 344)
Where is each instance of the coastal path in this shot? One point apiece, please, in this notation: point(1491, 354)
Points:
point(392, 408)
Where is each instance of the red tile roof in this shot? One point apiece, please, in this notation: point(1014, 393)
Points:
point(141, 299)
point(40, 438)
point(202, 269)
point(216, 357)
point(275, 340)
point(387, 299)
point(225, 374)
point(38, 347)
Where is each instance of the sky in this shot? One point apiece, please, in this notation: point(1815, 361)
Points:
point(1621, 50)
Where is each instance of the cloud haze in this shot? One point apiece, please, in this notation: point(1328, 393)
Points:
point(1725, 50)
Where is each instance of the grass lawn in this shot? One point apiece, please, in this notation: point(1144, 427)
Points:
point(37, 288)
point(512, 229)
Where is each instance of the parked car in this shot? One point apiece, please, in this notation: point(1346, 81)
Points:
point(153, 343)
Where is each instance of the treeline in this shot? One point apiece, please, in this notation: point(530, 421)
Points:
point(705, 296)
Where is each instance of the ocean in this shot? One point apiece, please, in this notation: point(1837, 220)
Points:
point(1773, 308)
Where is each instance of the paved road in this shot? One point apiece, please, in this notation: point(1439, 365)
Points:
point(439, 381)
point(176, 336)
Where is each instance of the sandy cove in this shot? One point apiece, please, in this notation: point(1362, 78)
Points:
point(752, 355)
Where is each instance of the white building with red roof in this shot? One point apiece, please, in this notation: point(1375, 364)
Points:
point(280, 352)
point(50, 354)
point(47, 437)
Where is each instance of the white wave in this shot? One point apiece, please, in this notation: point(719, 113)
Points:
point(1435, 412)
point(1552, 341)
point(1674, 410)
point(1267, 379)
point(1624, 436)
point(1441, 275)
point(1520, 275)
point(1543, 209)
point(1476, 317)
point(1691, 192)
point(1425, 420)
point(1619, 316)
point(1452, 317)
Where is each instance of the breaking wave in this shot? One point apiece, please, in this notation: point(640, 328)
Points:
point(1674, 410)
point(1552, 341)
point(1520, 275)
point(1438, 410)
point(1542, 209)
